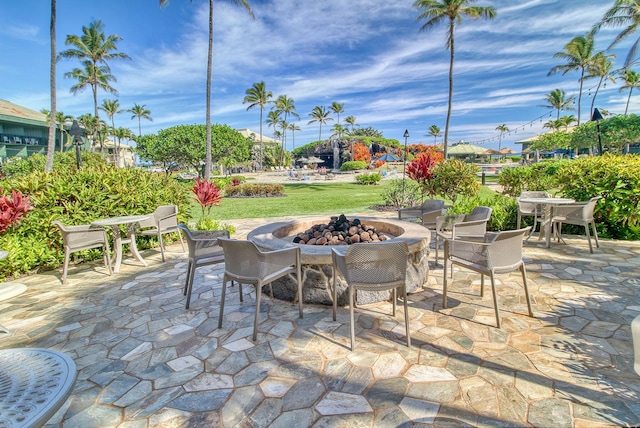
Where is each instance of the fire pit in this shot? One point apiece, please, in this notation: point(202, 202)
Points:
point(316, 259)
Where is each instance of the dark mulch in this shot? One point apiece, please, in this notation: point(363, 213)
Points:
point(383, 208)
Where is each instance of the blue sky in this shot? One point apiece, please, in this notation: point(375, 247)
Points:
point(368, 54)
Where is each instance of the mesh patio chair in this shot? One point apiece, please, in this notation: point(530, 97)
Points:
point(473, 224)
point(245, 263)
point(529, 209)
point(430, 206)
point(497, 253)
point(203, 251)
point(372, 267)
point(162, 221)
point(79, 238)
point(580, 214)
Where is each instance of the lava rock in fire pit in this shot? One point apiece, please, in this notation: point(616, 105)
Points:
point(339, 231)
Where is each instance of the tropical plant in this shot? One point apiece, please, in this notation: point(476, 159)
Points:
point(111, 108)
point(420, 170)
point(94, 50)
point(321, 115)
point(578, 56)
point(208, 156)
point(120, 134)
point(502, 128)
point(207, 194)
point(368, 131)
point(369, 179)
point(557, 100)
point(51, 142)
point(337, 130)
point(61, 120)
point(435, 12)
point(600, 68)
point(141, 112)
point(361, 153)
point(286, 107)
point(12, 208)
point(351, 120)
point(258, 96)
point(273, 121)
point(453, 178)
point(435, 132)
point(338, 108)
point(623, 13)
point(293, 128)
point(631, 80)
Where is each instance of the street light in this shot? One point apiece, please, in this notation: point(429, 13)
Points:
point(77, 133)
point(404, 162)
point(597, 117)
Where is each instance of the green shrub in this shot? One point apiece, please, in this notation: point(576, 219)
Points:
point(65, 160)
point(540, 176)
point(257, 190)
point(207, 223)
point(368, 179)
point(393, 194)
point(78, 197)
point(453, 178)
point(353, 165)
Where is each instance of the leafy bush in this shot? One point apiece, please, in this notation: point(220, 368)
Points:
point(392, 195)
point(250, 190)
point(540, 176)
point(503, 216)
point(207, 223)
point(207, 194)
point(368, 179)
point(78, 197)
point(64, 160)
point(353, 165)
point(453, 178)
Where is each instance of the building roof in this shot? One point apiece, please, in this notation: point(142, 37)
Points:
point(247, 133)
point(14, 112)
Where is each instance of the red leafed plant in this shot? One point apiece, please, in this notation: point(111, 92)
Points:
point(207, 193)
point(420, 169)
point(12, 208)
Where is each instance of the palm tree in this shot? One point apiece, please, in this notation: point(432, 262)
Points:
point(351, 120)
point(623, 13)
point(434, 131)
point(578, 55)
point(600, 68)
point(502, 128)
point(92, 124)
point(208, 161)
point(554, 124)
point(273, 120)
point(435, 12)
point(94, 50)
point(120, 133)
point(293, 128)
point(61, 120)
point(257, 95)
point(556, 99)
point(140, 112)
point(321, 115)
point(338, 130)
point(111, 107)
point(631, 80)
point(338, 108)
point(286, 107)
point(51, 143)
point(567, 121)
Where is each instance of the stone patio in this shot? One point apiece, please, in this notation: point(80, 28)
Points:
point(143, 360)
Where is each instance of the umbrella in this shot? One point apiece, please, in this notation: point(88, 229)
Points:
point(313, 159)
point(388, 157)
point(507, 151)
point(462, 149)
point(490, 152)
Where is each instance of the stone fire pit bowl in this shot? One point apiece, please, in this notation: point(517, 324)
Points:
point(317, 267)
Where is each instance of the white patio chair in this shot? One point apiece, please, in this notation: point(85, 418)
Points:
point(529, 209)
point(428, 207)
point(245, 263)
point(79, 238)
point(580, 214)
point(497, 253)
point(473, 224)
point(203, 251)
point(372, 267)
point(162, 221)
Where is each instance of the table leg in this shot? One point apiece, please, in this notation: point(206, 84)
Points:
point(546, 222)
point(117, 247)
point(132, 244)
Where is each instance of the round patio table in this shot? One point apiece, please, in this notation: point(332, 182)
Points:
point(130, 222)
point(547, 207)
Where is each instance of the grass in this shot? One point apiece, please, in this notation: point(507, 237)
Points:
point(306, 199)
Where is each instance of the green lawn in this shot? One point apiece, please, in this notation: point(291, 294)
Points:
point(305, 199)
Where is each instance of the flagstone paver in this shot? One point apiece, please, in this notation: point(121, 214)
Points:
point(145, 361)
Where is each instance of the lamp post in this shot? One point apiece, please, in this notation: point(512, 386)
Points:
point(76, 132)
point(404, 162)
point(597, 117)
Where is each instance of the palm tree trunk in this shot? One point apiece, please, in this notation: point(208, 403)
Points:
point(261, 160)
point(51, 143)
point(593, 101)
point(580, 97)
point(61, 135)
point(207, 160)
point(446, 126)
point(628, 99)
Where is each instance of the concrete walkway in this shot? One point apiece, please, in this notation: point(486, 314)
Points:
point(145, 361)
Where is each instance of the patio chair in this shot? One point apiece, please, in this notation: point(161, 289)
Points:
point(635, 337)
point(79, 238)
point(203, 251)
point(497, 253)
point(162, 221)
point(473, 224)
point(580, 214)
point(430, 206)
point(245, 263)
point(372, 267)
point(528, 209)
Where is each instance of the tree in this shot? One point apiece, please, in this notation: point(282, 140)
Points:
point(435, 12)
point(286, 107)
point(502, 128)
point(61, 120)
point(273, 120)
point(435, 132)
point(615, 132)
point(94, 50)
point(140, 112)
point(338, 108)
point(120, 134)
point(111, 107)
point(351, 120)
point(321, 115)
point(556, 99)
point(338, 130)
point(567, 121)
point(257, 95)
point(623, 13)
point(554, 124)
point(578, 55)
point(600, 68)
point(51, 143)
point(631, 80)
point(208, 158)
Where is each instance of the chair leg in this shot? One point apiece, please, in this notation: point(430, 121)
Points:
point(436, 249)
point(495, 299)
point(190, 286)
point(518, 220)
point(406, 317)
point(186, 282)
point(394, 297)
point(352, 318)
point(526, 289)
point(335, 292)
point(65, 266)
point(481, 285)
point(586, 231)
point(300, 299)
point(257, 317)
point(444, 282)
point(595, 234)
point(107, 258)
point(224, 293)
point(181, 240)
point(161, 241)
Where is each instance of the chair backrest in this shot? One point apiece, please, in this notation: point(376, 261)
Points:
point(432, 205)
point(581, 210)
point(79, 237)
point(161, 212)
point(376, 264)
point(242, 258)
point(479, 213)
point(505, 251)
point(203, 245)
point(529, 208)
